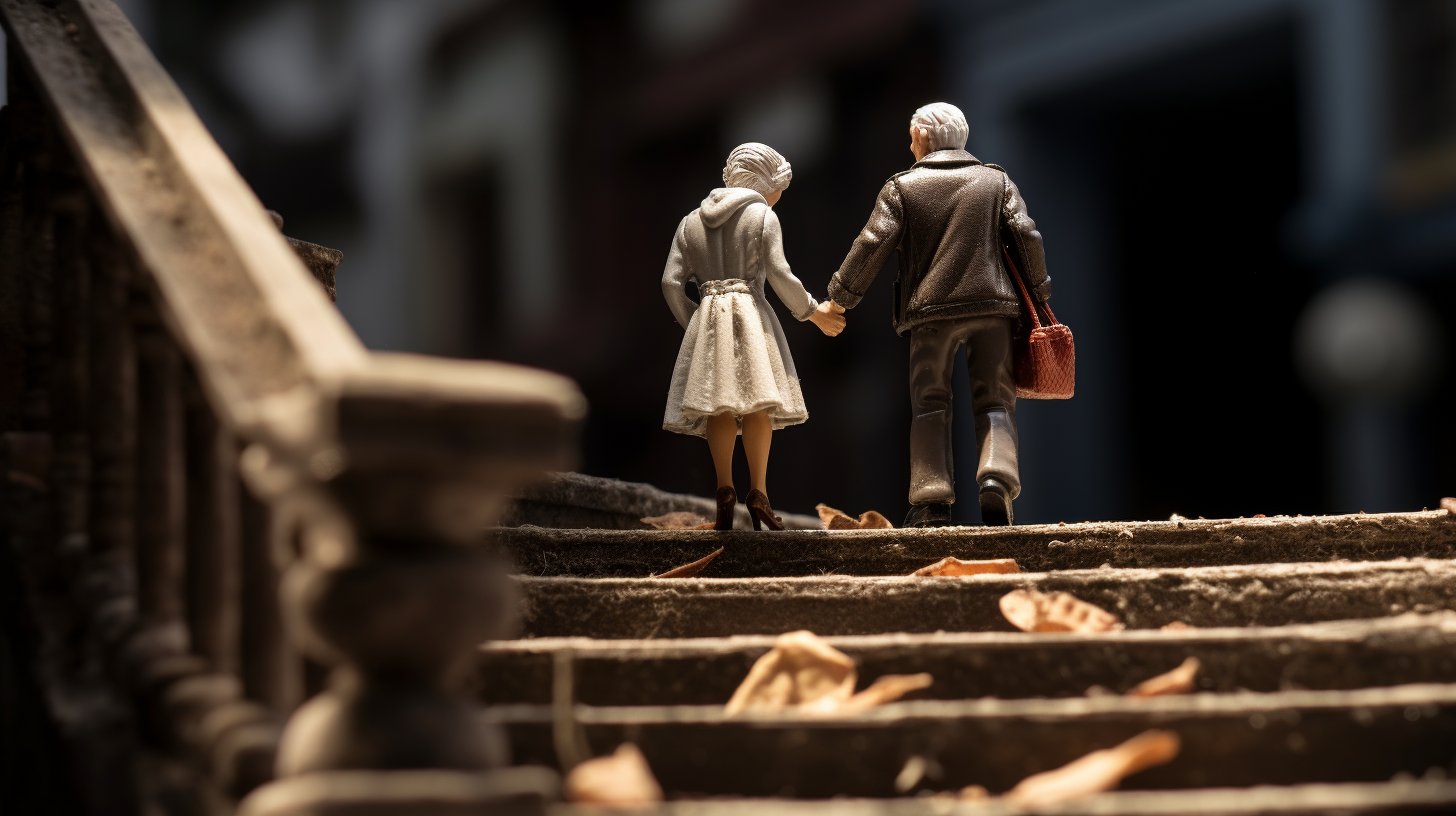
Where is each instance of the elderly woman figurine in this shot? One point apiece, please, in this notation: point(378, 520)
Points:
point(734, 373)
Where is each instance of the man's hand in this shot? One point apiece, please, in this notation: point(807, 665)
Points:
point(829, 317)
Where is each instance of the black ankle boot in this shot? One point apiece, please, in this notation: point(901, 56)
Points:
point(928, 515)
point(996, 503)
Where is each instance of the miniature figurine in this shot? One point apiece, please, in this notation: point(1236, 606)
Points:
point(952, 218)
point(734, 373)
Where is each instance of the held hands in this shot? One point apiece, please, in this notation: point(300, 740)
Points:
point(829, 317)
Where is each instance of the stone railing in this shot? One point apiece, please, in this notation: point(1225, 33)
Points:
point(220, 500)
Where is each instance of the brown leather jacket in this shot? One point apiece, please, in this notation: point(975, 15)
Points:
point(949, 215)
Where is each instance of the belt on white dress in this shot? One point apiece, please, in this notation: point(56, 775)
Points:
point(726, 286)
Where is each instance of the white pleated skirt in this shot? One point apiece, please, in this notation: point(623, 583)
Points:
point(734, 357)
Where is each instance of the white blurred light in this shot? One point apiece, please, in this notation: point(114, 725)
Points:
point(676, 26)
point(1367, 339)
point(278, 67)
point(793, 119)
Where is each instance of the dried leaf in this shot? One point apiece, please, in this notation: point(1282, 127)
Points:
point(1033, 611)
point(30, 459)
point(1449, 505)
point(910, 775)
point(951, 566)
point(689, 570)
point(680, 520)
point(1096, 772)
point(828, 515)
point(622, 780)
point(804, 672)
point(800, 669)
point(973, 793)
point(1177, 681)
point(886, 689)
point(839, 520)
point(1177, 626)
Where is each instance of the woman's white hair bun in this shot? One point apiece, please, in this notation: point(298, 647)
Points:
point(758, 167)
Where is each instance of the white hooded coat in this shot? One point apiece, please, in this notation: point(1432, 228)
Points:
point(734, 356)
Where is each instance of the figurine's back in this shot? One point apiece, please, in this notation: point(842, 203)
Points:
point(723, 236)
point(951, 246)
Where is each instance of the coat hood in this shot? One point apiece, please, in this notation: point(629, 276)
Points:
point(722, 203)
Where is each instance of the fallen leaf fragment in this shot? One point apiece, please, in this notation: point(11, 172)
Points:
point(1032, 611)
point(886, 689)
point(1177, 681)
point(910, 775)
point(622, 779)
point(952, 566)
point(1449, 505)
point(1177, 626)
point(970, 793)
point(804, 672)
point(1096, 772)
point(680, 520)
point(839, 520)
point(801, 668)
point(689, 570)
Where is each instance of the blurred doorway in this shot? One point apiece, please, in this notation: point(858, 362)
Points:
point(1189, 165)
point(465, 218)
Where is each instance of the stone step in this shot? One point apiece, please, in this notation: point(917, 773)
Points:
point(1228, 740)
point(1350, 799)
point(1252, 595)
point(1039, 548)
point(1323, 656)
point(575, 500)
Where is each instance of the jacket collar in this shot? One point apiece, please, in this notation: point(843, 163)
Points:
point(947, 158)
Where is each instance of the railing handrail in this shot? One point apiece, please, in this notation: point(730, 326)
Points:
point(376, 472)
point(179, 204)
point(269, 349)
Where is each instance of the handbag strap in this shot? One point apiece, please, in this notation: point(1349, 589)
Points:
point(1026, 296)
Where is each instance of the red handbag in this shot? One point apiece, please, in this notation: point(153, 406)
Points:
point(1044, 359)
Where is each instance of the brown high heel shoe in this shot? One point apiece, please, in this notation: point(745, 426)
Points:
point(727, 501)
point(760, 511)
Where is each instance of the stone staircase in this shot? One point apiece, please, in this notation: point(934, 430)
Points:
point(1328, 679)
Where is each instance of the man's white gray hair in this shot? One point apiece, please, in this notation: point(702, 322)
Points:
point(758, 167)
point(946, 123)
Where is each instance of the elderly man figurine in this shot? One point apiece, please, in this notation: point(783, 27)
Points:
point(952, 217)
point(734, 374)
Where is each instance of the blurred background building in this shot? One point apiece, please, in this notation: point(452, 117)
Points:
point(1249, 209)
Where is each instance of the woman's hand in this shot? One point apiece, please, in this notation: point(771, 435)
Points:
point(829, 317)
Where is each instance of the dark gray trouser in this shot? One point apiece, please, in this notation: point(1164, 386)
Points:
point(933, 349)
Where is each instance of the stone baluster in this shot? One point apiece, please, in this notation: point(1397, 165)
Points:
point(214, 534)
point(69, 403)
point(112, 426)
point(271, 670)
point(393, 588)
point(159, 515)
point(12, 250)
point(35, 144)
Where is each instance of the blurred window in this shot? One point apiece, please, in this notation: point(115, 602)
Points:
point(1422, 91)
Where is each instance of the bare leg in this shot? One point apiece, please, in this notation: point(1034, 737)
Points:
point(757, 436)
point(722, 434)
